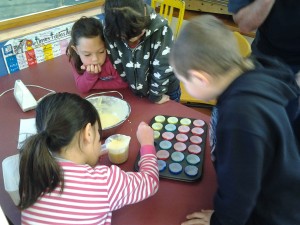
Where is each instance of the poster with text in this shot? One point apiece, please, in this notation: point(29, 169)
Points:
point(26, 51)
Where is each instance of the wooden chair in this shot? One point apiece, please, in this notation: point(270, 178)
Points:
point(166, 10)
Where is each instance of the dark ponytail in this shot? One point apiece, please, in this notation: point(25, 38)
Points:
point(58, 118)
point(39, 171)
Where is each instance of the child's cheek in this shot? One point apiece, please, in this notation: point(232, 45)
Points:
point(85, 60)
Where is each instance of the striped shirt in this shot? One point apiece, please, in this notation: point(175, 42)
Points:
point(91, 193)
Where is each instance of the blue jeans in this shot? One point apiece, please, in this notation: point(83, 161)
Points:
point(175, 95)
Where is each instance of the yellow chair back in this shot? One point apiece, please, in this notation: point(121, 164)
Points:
point(243, 43)
point(166, 10)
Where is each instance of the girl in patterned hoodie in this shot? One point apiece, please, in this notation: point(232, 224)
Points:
point(139, 43)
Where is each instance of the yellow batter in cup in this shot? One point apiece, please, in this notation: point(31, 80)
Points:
point(117, 146)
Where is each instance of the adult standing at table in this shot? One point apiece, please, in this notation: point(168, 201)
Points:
point(277, 23)
point(139, 43)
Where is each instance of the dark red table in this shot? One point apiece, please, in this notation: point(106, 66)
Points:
point(174, 199)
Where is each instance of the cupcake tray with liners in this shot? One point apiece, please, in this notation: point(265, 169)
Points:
point(180, 145)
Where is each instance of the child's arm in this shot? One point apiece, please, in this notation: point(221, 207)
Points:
point(108, 78)
point(86, 81)
point(251, 16)
point(133, 187)
point(162, 72)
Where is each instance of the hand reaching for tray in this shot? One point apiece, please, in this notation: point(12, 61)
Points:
point(145, 134)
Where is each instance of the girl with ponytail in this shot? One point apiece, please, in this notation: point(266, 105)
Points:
point(61, 180)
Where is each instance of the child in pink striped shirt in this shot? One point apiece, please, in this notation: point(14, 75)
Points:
point(61, 181)
point(91, 67)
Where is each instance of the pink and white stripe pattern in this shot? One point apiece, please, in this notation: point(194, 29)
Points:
point(91, 194)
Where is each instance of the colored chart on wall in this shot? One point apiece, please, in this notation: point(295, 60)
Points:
point(26, 51)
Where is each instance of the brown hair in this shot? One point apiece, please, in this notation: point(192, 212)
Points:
point(85, 27)
point(125, 19)
point(205, 44)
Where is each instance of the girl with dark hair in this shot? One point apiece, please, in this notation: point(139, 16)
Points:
point(61, 181)
point(139, 42)
point(87, 54)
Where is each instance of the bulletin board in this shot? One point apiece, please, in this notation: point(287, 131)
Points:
point(26, 51)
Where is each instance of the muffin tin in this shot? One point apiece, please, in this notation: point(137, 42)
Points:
point(180, 144)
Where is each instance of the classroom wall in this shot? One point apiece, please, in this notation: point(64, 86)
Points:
point(42, 41)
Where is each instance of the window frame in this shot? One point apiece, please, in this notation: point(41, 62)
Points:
point(49, 14)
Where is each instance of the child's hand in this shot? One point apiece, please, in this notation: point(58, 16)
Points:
point(91, 68)
point(164, 99)
point(145, 134)
point(199, 218)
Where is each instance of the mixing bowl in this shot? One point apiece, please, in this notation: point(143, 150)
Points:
point(113, 111)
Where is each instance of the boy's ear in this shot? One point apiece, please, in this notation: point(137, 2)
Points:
point(201, 76)
point(87, 133)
